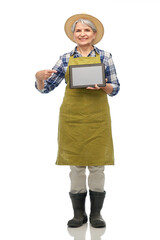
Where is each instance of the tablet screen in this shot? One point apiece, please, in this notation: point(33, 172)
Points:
point(87, 75)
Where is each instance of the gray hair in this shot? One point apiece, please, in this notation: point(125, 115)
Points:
point(86, 22)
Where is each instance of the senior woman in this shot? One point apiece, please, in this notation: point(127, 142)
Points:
point(84, 132)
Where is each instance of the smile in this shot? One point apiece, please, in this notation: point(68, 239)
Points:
point(83, 39)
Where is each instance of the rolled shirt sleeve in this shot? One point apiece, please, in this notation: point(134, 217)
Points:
point(110, 74)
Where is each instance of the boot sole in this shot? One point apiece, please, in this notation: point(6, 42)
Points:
point(75, 225)
point(98, 224)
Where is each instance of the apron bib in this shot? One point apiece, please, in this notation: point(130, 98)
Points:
point(84, 131)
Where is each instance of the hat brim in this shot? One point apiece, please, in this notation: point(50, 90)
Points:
point(74, 18)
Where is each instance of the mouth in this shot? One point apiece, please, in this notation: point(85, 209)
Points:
point(83, 39)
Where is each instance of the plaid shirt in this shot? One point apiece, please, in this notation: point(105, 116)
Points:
point(62, 64)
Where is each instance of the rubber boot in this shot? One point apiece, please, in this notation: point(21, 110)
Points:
point(97, 199)
point(78, 203)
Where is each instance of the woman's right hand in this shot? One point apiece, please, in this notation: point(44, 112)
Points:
point(44, 74)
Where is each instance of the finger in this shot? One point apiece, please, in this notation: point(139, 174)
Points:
point(96, 86)
point(91, 88)
point(51, 71)
point(48, 75)
point(106, 80)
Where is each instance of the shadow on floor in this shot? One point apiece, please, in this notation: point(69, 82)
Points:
point(80, 233)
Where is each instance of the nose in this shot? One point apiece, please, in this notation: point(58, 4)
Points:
point(82, 33)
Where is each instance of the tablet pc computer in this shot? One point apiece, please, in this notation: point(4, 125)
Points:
point(87, 75)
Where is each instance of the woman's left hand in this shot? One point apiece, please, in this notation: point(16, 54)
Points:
point(107, 89)
point(96, 87)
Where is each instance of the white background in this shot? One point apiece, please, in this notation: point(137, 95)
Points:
point(34, 201)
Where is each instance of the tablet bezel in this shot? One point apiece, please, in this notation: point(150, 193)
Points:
point(71, 67)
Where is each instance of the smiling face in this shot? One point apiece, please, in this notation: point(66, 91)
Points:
point(83, 34)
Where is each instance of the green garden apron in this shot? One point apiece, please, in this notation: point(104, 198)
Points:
point(84, 132)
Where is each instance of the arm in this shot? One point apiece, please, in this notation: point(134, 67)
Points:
point(47, 80)
point(112, 85)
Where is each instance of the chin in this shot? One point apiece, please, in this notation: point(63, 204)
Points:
point(85, 44)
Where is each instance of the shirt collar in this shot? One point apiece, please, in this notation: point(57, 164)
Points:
point(75, 52)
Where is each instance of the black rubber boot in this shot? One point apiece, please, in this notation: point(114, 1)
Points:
point(78, 203)
point(97, 199)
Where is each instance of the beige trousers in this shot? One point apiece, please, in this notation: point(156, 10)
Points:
point(96, 179)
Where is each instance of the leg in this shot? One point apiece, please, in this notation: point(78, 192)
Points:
point(96, 178)
point(78, 179)
point(78, 195)
point(97, 195)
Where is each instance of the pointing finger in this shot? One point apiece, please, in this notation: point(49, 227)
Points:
point(51, 71)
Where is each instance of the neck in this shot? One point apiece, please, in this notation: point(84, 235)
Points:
point(84, 50)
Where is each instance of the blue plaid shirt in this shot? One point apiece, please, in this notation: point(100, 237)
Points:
point(62, 64)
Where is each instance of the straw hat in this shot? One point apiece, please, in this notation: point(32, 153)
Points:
point(95, 21)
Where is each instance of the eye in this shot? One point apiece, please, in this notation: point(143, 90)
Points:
point(78, 30)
